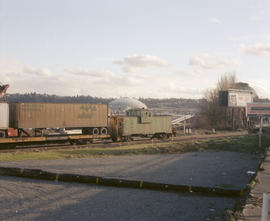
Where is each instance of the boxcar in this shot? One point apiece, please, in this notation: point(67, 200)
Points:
point(140, 122)
point(92, 118)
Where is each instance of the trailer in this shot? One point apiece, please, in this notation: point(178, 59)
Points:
point(91, 118)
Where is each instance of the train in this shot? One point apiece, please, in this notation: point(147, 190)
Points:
point(34, 122)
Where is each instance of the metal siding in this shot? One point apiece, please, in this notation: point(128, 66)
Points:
point(239, 98)
point(4, 116)
point(53, 115)
point(159, 124)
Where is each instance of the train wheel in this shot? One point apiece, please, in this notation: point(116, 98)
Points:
point(95, 131)
point(2, 134)
point(104, 130)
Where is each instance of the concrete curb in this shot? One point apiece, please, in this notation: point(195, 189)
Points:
point(64, 177)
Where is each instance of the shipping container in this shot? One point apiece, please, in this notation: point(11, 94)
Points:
point(58, 115)
point(4, 116)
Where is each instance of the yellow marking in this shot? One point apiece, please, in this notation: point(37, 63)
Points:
point(21, 171)
point(141, 184)
point(97, 180)
point(22, 139)
point(56, 177)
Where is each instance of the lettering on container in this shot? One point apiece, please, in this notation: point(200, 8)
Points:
point(88, 111)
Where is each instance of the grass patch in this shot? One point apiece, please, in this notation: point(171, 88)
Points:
point(244, 143)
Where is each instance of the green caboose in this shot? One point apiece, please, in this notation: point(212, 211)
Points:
point(140, 122)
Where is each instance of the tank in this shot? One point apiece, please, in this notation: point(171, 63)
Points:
point(58, 115)
point(4, 116)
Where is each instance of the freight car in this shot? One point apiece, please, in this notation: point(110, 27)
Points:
point(91, 118)
point(32, 121)
point(139, 122)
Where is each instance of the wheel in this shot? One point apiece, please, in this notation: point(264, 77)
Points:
point(95, 131)
point(104, 130)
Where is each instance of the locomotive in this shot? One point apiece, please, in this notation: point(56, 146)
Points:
point(33, 121)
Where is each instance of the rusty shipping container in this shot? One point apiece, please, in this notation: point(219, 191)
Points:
point(58, 115)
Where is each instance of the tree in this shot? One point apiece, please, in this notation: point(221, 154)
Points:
point(212, 115)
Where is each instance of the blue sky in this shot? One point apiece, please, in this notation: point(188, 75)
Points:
point(149, 48)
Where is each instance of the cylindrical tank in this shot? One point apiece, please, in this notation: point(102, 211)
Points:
point(4, 116)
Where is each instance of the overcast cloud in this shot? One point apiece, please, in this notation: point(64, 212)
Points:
point(172, 50)
point(258, 49)
point(207, 61)
point(215, 21)
point(135, 62)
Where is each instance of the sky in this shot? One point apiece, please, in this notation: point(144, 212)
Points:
point(133, 48)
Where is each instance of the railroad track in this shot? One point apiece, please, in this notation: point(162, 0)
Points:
point(109, 144)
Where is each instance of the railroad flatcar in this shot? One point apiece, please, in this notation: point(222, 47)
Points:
point(140, 122)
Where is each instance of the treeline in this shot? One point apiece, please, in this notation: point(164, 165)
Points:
point(46, 98)
point(172, 102)
point(150, 102)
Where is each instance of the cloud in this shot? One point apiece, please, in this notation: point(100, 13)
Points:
point(258, 49)
point(105, 77)
point(254, 19)
point(251, 38)
point(10, 66)
point(228, 62)
point(25, 78)
point(183, 92)
point(45, 72)
point(89, 73)
point(261, 88)
point(189, 73)
point(215, 21)
point(207, 61)
point(135, 62)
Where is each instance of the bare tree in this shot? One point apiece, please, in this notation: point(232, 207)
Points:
point(212, 115)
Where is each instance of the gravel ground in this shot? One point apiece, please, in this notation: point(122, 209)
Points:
point(211, 169)
point(27, 199)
